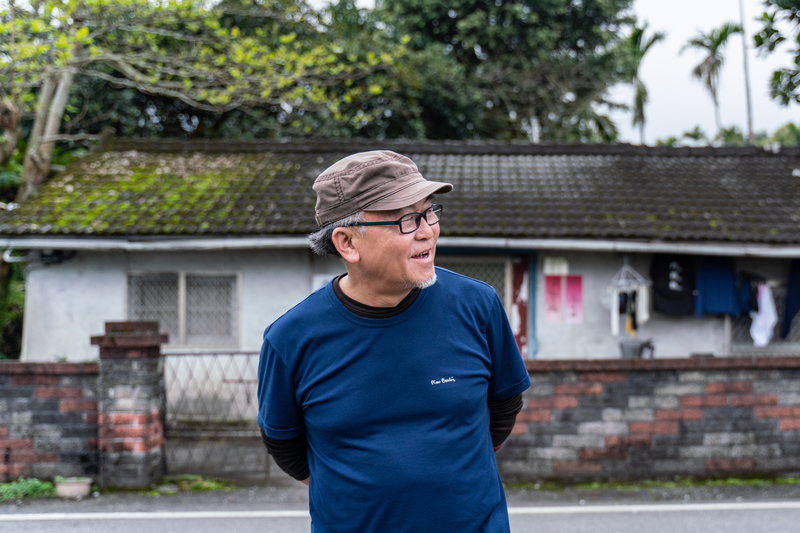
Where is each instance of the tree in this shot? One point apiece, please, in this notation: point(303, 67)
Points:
point(641, 45)
point(786, 135)
point(697, 135)
point(712, 45)
point(732, 136)
point(543, 68)
point(179, 50)
point(779, 15)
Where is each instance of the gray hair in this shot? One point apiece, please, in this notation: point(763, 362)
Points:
point(322, 241)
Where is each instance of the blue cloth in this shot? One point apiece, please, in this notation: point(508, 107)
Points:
point(395, 410)
point(792, 298)
point(716, 287)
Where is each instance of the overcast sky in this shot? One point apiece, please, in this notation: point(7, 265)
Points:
point(678, 102)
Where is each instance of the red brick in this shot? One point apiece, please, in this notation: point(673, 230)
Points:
point(629, 440)
point(679, 414)
point(603, 377)
point(34, 379)
point(603, 454)
point(78, 405)
point(577, 467)
point(16, 444)
point(738, 387)
point(27, 456)
point(746, 401)
point(91, 444)
point(154, 443)
point(103, 418)
point(777, 412)
point(578, 389)
point(790, 424)
point(519, 429)
point(57, 392)
point(90, 418)
point(129, 432)
point(14, 471)
point(536, 415)
point(123, 419)
point(557, 402)
point(711, 400)
point(729, 464)
point(3, 432)
point(653, 427)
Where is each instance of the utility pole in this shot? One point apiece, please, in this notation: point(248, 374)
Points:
point(750, 139)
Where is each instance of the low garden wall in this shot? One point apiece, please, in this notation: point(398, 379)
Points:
point(102, 420)
point(640, 419)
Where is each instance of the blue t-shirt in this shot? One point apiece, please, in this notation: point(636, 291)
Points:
point(395, 410)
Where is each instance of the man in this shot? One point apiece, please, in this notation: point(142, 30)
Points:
point(387, 390)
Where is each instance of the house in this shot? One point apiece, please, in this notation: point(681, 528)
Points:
point(209, 238)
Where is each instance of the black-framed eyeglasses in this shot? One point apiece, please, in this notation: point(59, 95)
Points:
point(409, 223)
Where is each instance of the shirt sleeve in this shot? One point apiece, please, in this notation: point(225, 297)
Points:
point(502, 417)
point(279, 415)
point(509, 375)
point(290, 455)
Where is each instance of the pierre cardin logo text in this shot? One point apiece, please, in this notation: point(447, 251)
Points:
point(451, 379)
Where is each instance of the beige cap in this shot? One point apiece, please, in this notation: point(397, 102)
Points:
point(371, 181)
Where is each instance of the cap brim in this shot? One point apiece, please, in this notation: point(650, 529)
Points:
point(409, 196)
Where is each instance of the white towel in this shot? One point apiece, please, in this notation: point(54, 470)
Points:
point(642, 304)
point(764, 321)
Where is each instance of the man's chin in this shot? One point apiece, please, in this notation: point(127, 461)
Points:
point(422, 284)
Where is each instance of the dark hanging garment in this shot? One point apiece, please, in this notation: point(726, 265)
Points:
point(716, 287)
point(673, 279)
point(792, 298)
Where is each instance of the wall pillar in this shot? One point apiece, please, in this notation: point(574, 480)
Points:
point(130, 401)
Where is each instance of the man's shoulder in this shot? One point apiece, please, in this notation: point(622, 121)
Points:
point(311, 310)
point(462, 289)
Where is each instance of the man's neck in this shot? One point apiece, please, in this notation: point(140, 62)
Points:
point(371, 296)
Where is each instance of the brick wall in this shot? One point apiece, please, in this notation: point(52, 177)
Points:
point(629, 419)
point(48, 419)
point(101, 420)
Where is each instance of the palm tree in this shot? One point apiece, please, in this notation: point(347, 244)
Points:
point(697, 135)
point(640, 47)
point(707, 70)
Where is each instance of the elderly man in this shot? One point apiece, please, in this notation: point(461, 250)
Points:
point(387, 390)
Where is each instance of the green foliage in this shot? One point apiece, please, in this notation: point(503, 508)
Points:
point(786, 135)
point(11, 312)
point(543, 65)
point(193, 483)
point(696, 134)
point(26, 488)
point(777, 17)
point(669, 141)
point(732, 136)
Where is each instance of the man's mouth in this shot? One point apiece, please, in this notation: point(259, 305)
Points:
point(423, 255)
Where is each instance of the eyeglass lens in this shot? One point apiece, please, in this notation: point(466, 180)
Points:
point(410, 222)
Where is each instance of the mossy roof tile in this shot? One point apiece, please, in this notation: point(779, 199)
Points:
point(501, 190)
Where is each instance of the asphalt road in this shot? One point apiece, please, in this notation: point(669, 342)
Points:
point(284, 510)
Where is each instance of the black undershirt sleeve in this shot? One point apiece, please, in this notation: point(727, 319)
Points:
point(291, 455)
point(502, 416)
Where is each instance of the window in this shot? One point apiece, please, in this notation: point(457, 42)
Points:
point(742, 342)
point(195, 310)
point(496, 271)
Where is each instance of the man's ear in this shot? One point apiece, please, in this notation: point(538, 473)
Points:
point(344, 241)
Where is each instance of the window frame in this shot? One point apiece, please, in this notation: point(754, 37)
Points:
point(179, 344)
point(508, 271)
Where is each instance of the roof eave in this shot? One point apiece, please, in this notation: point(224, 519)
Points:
point(121, 244)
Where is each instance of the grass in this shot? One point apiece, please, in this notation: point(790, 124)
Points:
point(191, 483)
point(26, 487)
point(677, 482)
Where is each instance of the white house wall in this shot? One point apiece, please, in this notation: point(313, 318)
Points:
point(67, 303)
point(673, 336)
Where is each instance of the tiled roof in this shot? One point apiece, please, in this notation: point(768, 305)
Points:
point(744, 195)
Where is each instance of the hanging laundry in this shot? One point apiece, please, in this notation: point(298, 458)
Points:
point(673, 284)
point(792, 298)
point(630, 315)
point(764, 320)
point(715, 287)
point(614, 293)
point(642, 304)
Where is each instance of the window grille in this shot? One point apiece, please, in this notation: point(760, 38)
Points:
point(155, 297)
point(742, 342)
point(195, 310)
point(493, 271)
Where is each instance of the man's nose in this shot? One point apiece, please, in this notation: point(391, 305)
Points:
point(425, 230)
